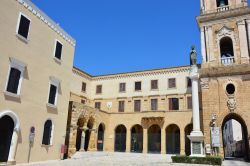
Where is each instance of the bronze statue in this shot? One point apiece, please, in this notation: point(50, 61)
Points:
point(193, 60)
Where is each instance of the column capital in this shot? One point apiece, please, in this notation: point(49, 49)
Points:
point(194, 74)
point(241, 22)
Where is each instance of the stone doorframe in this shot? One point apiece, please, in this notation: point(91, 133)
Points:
point(14, 139)
point(79, 117)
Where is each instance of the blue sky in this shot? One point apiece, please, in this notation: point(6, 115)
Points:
point(116, 36)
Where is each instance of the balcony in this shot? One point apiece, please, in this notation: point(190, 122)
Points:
point(223, 8)
point(227, 60)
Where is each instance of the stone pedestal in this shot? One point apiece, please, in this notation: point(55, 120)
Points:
point(196, 137)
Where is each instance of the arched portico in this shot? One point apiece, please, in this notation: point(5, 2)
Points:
point(9, 128)
point(136, 139)
point(173, 139)
point(120, 138)
point(154, 139)
point(100, 137)
point(245, 139)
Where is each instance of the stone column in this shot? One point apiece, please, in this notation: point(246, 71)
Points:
point(244, 52)
point(182, 141)
point(128, 141)
point(13, 147)
point(196, 137)
point(93, 138)
point(203, 45)
point(83, 140)
point(145, 140)
point(163, 141)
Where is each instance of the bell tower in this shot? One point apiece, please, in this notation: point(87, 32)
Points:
point(225, 32)
point(224, 75)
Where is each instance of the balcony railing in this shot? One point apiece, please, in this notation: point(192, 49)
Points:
point(222, 9)
point(227, 60)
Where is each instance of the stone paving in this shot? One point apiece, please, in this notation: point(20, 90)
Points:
point(121, 159)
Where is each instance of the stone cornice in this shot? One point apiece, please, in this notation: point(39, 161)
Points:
point(222, 15)
point(82, 73)
point(133, 74)
point(44, 18)
point(224, 71)
point(144, 73)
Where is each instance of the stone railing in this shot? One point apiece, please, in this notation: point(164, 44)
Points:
point(223, 8)
point(227, 60)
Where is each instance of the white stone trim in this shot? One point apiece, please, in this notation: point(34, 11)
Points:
point(18, 24)
point(44, 18)
point(14, 63)
point(14, 139)
point(51, 134)
point(54, 52)
point(53, 81)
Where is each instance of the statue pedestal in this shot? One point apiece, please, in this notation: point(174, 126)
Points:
point(196, 138)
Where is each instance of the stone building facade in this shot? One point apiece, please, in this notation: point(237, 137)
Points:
point(45, 102)
point(147, 119)
point(36, 59)
point(224, 73)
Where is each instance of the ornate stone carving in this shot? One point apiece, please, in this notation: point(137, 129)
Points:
point(204, 83)
point(231, 104)
point(225, 31)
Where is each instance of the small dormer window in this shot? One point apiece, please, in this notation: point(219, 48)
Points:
point(222, 3)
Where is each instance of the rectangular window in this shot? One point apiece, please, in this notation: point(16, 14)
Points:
point(98, 105)
point(98, 89)
point(52, 94)
point(14, 79)
point(122, 87)
point(171, 83)
point(154, 104)
point(189, 83)
point(23, 28)
point(173, 104)
point(137, 105)
point(121, 106)
point(58, 50)
point(84, 87)
point(138, 86)
point(154, 84)
point(189, 102)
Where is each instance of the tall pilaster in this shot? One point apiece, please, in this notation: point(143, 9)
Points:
point(145, 140)
point(243, 41)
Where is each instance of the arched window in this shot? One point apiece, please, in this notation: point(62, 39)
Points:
point(47, 133)
point(221, 3)
point(227, 51)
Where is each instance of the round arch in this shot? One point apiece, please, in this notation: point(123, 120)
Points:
point(136, 138)
point(120, 138)
point(14, 128)
point(239, 119)
point(100, 137)
point(173, 139)
point(154, 139)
